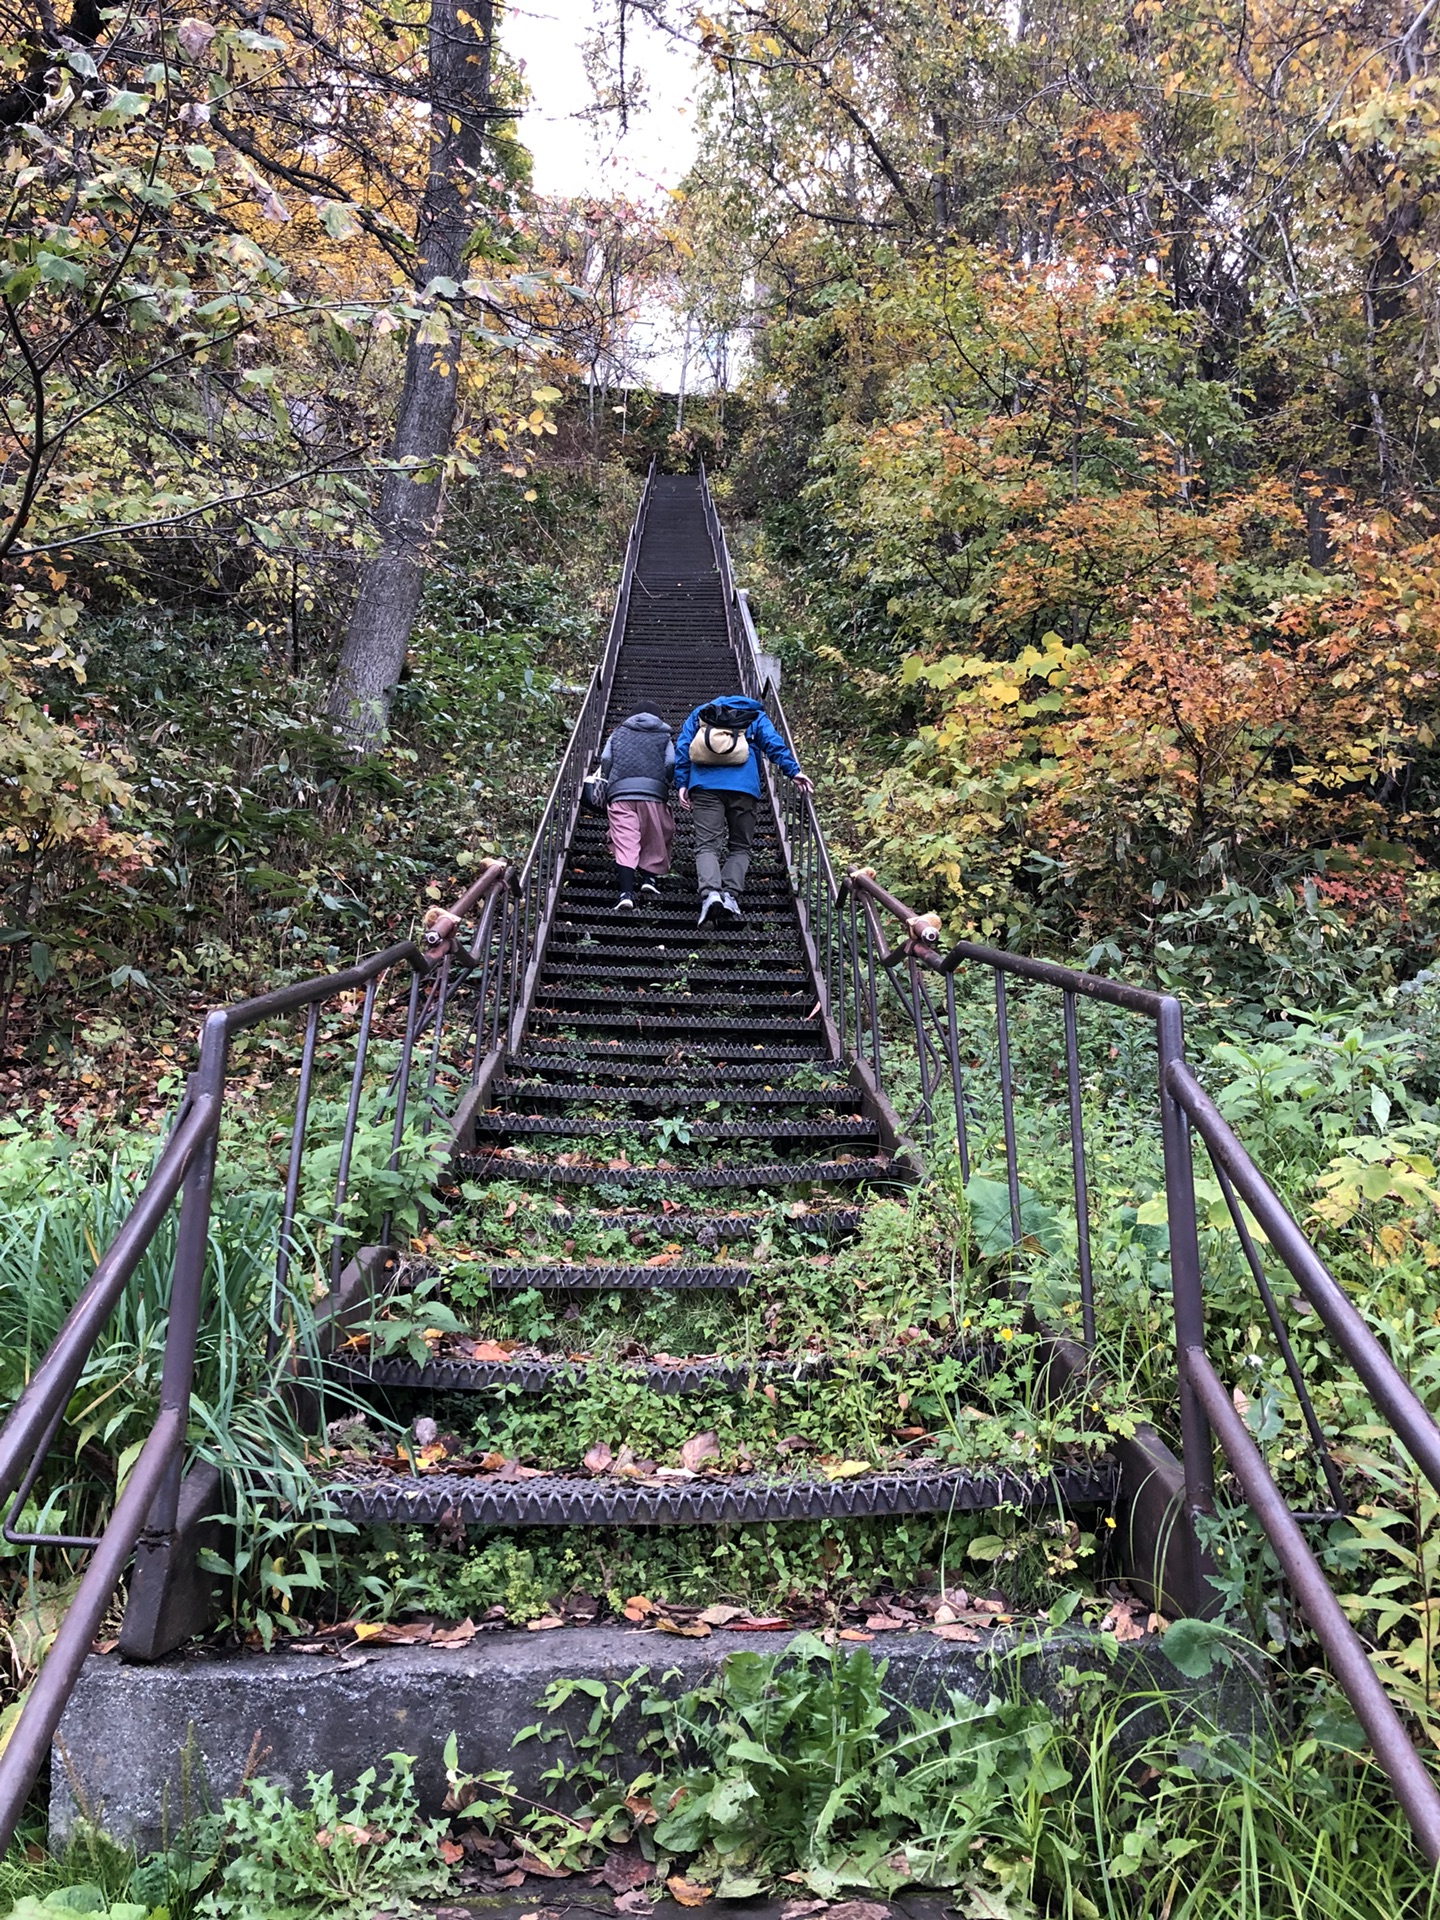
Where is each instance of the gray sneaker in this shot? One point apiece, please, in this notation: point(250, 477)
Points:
point(710, 904)
point(732, 907)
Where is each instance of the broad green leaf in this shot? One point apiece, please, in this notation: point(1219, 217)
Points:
point(59, 270)
point(1193, 1647)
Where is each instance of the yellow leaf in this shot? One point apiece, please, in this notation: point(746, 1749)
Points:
point(686, 1892)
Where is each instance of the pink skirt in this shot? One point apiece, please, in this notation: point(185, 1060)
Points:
point(640, 834)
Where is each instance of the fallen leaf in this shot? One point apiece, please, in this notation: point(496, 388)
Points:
point(638, 1607)
point(955, 1633)
point(860, 1910)
point(640, 1810)
point(699, 1448)
point(883, 1623)
point(599, 1459)
point(459, 1636)
point(451, 1852)
point(761, 1623)
point(802, 1909)
point(854, 1633)
point(625, 1868)
point(511, 1880)
point(389, 1633)
point(686, 1892)
point(490, 1350)
point(721, 1616)
point(686, 1629)
point(544, 1623)
point(1122, 1621)
point(843, 1469)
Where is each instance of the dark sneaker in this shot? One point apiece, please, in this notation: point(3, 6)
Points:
point(732, 907)
point(712, 903)
point(625, 904)
point(651, 886)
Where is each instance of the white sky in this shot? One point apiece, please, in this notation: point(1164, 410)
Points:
point(578, 156)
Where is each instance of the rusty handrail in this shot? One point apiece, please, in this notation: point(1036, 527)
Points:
point(1206, 1409)
point(147, 1505)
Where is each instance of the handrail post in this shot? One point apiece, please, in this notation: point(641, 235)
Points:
point(187, 1284)
point(1186, 1285)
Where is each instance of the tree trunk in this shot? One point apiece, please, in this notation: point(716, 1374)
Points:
point(408, 517)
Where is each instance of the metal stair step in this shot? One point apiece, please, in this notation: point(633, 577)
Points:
point(610, 1279)
point(543, 1375)
point(642, 1021)
point(619, 937)
point(640, 1002)
point(556, 1500)
point(559, 971)
point(722, 1063)
point(594, 1091)
point(663, 920)
point(501, 1121)
point(767, 1173)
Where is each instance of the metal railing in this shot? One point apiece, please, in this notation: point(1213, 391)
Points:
point(492, 977)
point(1207, 1410)
point(544, 868)
point(872, 985)
point(148, 1503)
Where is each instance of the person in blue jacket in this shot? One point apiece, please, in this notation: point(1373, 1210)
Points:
point(717, 780)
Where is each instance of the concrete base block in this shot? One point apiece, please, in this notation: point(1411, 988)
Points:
point(141, 1745)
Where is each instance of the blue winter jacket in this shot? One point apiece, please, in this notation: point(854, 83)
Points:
point(760, 733)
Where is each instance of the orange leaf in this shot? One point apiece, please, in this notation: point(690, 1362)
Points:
point(491, 1349)
point(686, 1892)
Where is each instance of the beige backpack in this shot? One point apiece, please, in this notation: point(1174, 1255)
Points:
point(717, 744)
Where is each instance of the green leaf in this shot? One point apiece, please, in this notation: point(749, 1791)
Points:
point(989, 1202)
point(59, 271)
point(1193, 1647)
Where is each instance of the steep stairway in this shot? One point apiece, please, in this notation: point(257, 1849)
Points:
point(659, 1213)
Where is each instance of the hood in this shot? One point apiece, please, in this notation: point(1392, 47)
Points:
point(646, 723)
point(737, 703)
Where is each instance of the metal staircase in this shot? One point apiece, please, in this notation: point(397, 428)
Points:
point(674, 1017)
point(827, 1035)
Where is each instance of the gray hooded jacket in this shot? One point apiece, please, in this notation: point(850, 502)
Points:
point(638, 759)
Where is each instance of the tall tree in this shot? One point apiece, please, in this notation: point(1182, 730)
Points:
point(461, 62)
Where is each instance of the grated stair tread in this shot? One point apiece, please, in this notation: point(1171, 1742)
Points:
point(572, 1500)
point(767, 1173)
point(596, 1092)
point(504, 1120)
